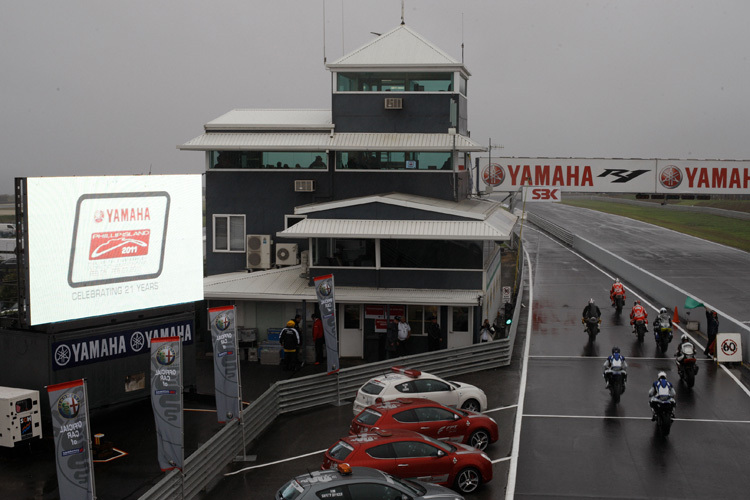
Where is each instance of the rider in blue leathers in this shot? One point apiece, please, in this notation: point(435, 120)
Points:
point(615, 362)
point(661, 390)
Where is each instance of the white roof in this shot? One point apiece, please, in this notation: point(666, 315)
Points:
point(285, 284)
point(273, 119)
point(300, 141)
point(396, 229)
point(400, 48)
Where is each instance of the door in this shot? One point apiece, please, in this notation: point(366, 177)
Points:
point(459, 327)
point(351, 339)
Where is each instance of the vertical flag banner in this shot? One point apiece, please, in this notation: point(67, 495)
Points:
point(70, 424)
point(166, 400)
point(226, 368)
point(324, 292)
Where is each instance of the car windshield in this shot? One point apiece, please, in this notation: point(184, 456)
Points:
point(368, 417)
point(291, 490)
point(448, 448)
point(372, 388)
point(340, 451)
point(414, 488)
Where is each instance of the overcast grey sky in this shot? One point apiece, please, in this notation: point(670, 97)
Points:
point(112, 87)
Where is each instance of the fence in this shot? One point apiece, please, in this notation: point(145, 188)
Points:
point(209, 461)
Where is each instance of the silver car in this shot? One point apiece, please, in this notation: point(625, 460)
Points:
point(360, 483)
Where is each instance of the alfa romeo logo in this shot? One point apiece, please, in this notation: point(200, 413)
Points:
point(493, 174)
point(68, 405)
point(222, 321)
point(670, 177)
point(325, 288)
point(165, 355)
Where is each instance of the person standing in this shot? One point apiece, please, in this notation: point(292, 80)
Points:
point(290, 341)
point(434, 335)
point(404, 332)
point(318, 338)
point(712, 328)
point(487, 332)
point(391, 339)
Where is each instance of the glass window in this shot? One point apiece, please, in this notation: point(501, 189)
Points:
point(407, 416)
point(393, 160)
point(340, 451)
point(426, 254)
point(229, 233)
point(368, 417)
point(373, 389)
point(344, 252)
point(414, 449)
point(394, 82)
point(352, 316)
point(406, 387)
point(269, 160)
point(332, 492)
point(462, 85)
point(381, 451)
point(373, 491)
point(434, 414)
point(431, 385)
point(460, 319)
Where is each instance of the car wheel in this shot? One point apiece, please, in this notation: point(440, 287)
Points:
point(467, 480)
point(471, 405)
point(480, 439)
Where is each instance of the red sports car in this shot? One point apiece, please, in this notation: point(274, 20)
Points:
point(411, 455)
point(429, 418)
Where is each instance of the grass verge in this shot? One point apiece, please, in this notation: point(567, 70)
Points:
point(727, 231)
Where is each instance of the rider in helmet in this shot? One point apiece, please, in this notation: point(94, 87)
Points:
point(616, 288)
point(591, 311)
point(663, 319)
point(684, 349)
point(615, 362)
point(638, 312)
point(661, 390)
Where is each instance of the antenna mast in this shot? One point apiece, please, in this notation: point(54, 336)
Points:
point(402, 12)
point(462, 37)
point(324, 32)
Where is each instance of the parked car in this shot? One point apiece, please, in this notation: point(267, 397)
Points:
point(360, 483)
point(402, 382)
point(429, 418)
point(411, 455)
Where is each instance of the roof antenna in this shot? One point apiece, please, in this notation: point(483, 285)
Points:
point(324, 32)
point(462, 37)
point(402, 12)
point(343, 46)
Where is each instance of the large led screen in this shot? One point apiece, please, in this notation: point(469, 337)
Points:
point(103, 245)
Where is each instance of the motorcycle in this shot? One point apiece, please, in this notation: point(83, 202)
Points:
point(662, 335)
point(619, 302)
point(687, 367)
point(640, 329)
point(617, 383)
point(664, 411)
point(592, 327)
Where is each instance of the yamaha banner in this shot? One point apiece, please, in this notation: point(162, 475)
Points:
point(324, 293)
point(226, 368)
point(166, 400)
point(70, 424)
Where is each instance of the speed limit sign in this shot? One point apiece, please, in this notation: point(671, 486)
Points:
point(729, 348)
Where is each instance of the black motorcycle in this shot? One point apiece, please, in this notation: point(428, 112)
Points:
point(619, 302)
point(640, 329)
point(662, 335)
point(687, 368)
point(617, 383)
point(592, 327)
point(664, 410)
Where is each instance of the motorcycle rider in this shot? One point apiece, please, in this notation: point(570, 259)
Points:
point(638, 312)
point(685, 349)
point(615, 362)
point(591, 311)
point(661, 390)
point(663, 319)
point(616, 288)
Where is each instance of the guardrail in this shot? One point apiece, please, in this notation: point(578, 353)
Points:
point(286, 396)
point(552, 228)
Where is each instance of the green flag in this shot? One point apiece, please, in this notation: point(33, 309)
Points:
point(691, 303)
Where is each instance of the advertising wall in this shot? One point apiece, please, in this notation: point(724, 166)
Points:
point(611, 175)
point(104, 245)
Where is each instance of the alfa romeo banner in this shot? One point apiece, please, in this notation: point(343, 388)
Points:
point(166, 400)
point(324, 292)
point(70, 424)
point(226, 368)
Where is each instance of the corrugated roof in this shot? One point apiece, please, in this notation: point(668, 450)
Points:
point(272, 119)
point(397, 229)
point(285, 284)
point(291, 141)
point(401, 47)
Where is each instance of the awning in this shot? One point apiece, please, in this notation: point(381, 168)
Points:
point(314, 141)
point(286, 285)
point(397, 229)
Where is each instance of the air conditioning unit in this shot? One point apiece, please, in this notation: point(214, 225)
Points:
point(286, 254)
point(394, 103)
point(304, 186)
point(259, 251)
